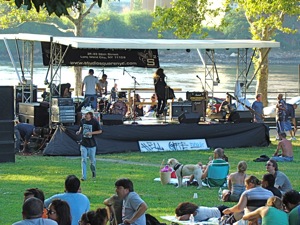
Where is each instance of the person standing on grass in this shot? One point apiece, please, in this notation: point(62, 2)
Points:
point(32, 212)
point(280, 114)
point(134, 208)
point(77, 201)
point(286, 147)
point(290, 112)
point(89, 127)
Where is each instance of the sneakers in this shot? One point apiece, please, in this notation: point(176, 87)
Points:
point(82, 179)
point(293, 139)
point(93, 175)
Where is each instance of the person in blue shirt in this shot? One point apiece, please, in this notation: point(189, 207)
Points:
point(77, 201)
point(24, 131)
point(258, 107)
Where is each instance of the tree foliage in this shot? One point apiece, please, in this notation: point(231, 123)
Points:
point(185, 17)
point(59, 7)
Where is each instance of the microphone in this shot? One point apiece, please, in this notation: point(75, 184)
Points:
point(198, 77)
point(123, 71)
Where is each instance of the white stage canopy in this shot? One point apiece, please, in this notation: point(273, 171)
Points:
point(120, 43)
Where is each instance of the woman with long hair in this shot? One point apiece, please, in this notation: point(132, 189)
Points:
point(59, 211)
point(236, 183)
point(160, 90)
point(98, 217)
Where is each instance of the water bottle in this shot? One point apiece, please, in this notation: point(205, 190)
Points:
point(191, 219)
point(220, 194)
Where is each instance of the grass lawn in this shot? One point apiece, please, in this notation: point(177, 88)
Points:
point(48, 174)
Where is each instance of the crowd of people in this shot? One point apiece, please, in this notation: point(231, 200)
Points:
point(73, 207)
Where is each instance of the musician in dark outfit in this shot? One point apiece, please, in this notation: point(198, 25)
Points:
point(258, 107)
point(160, 90)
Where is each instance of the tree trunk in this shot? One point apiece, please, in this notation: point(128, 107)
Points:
point(78, 70)
point(262, 75)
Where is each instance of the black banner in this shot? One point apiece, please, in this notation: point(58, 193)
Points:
point(104, 57)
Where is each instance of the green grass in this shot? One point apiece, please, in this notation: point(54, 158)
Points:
point(48, 174)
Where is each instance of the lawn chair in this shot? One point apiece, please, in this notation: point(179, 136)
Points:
point(217, 175)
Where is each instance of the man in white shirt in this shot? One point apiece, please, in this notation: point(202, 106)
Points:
point(91, 83)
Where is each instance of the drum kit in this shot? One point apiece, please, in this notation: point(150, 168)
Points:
point(118, 106)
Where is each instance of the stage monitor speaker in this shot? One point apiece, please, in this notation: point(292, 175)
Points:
point(189, 118)
point(240, 117)
point(112, 119)
point(7, 102)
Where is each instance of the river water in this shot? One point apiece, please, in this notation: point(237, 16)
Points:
point(282, 78)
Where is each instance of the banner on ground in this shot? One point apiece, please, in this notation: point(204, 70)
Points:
point(146, 58)
point(172, 145)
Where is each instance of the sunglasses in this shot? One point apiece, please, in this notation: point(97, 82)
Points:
point(268, 164)
point(51, 212)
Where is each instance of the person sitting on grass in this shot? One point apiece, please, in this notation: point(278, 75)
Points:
point(114, 203)
point(32, 212)
point(201, 213)
point(286, 148)
point(37, 193)
point(60, 212)
point(236, 183)
point(272, 213)
point(78, 202)
point(282, 182)
point(291, 201)
point(254, 197)
point(98, 217)
point(268, 182)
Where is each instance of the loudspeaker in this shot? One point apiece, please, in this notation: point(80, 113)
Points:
point(189, 118)
point(6, 102)
point(112, 119)
point(6, 130)
point(7, 151)
point(199, 107)
point(177, 108)
point(240, 117)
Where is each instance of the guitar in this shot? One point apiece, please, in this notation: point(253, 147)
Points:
point(248, 107)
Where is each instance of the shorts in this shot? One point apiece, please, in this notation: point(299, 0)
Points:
point(287, 126)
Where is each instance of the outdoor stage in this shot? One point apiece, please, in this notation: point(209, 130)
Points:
point(124, 138)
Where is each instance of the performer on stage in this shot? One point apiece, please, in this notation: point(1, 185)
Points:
point(160, 90)
point(258, 107)
point(114, 92)
point(89, 127)
point(103, 85)
point(90, 82)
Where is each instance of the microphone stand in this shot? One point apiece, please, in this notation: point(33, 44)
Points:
point(201, 82)
point(133, 102)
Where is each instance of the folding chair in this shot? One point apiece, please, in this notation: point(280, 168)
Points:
point(217, 175)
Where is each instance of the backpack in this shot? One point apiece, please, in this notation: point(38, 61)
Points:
point(151, 220)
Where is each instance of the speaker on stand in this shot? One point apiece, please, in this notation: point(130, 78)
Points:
point(189, 118)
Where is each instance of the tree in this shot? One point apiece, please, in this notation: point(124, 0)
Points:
point(265, 17)
point(59, 7)
point(74, 10)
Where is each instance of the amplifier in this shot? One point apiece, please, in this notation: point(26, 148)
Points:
point(62, 102)
point(177, 108)
point(196, 96)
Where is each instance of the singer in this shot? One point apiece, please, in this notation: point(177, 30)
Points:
point(160, 86)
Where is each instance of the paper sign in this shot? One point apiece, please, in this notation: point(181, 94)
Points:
point(172, 145)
